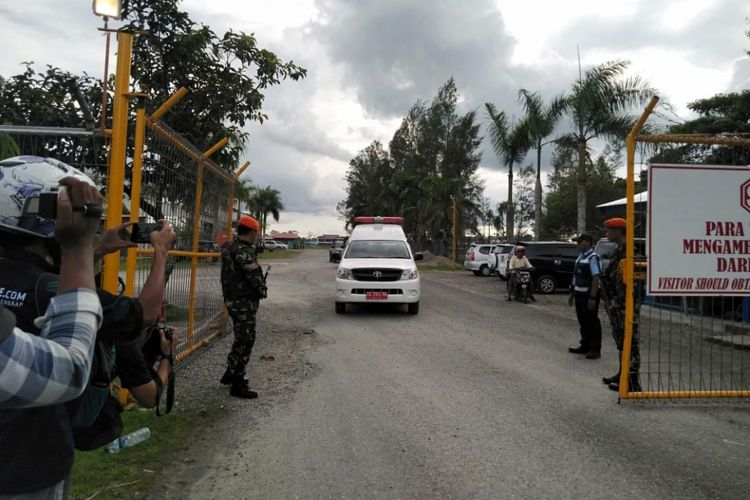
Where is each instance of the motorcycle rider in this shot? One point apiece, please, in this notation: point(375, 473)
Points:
point(517, 262)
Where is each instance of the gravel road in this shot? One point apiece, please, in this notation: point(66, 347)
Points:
point(472, 398)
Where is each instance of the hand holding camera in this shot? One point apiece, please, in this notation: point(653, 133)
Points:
point(164, 237)
point(78, 208)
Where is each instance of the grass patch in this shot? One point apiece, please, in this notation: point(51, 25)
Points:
point(443, 269)
point(107, 475)
point(278, 255)
point(176, 313)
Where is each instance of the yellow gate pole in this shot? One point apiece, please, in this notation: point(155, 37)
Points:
point(174, 99)
point(230, 202)
point(135, 189)
point(116, 177)
point(630, 250)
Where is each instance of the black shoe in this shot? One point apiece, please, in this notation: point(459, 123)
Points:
point(227, 378)
point(611, 380)
point(577, 350)
point(508, 299)
point(593, 355)
point(614, 386)
point(241, 390)
point(532, 299)
point(634, 386)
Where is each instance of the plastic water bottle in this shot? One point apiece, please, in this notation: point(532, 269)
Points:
point(129, 440)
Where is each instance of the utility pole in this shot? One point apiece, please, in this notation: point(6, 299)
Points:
point(453, 210)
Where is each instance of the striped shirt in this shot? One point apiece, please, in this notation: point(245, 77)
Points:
point(54, 367)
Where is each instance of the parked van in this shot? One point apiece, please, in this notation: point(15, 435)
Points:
point(378, 266)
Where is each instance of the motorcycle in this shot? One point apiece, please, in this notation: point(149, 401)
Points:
point(520, 280)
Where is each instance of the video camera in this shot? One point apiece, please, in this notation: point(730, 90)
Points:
point(44, 205)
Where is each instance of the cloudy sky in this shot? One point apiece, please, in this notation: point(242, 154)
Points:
point(368, 61)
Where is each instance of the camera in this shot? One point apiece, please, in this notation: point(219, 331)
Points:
point(151, 346)
point(44, 205)
point(141, 232)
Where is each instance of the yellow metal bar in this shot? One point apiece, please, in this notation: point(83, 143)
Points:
point(695, 139)
point(116, 177)
point(194, 262)
point(180, 253)
point(135, 191)
point(176, 97)
point(686, 394)
point(630, 249)
point(239, 171)
point(210, 151)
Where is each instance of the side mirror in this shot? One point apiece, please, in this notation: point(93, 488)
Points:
point(418, 256)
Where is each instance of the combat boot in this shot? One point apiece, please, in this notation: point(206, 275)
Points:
point(227, 378)
point(240, 389)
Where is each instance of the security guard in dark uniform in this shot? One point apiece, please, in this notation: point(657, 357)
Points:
point(584, 294)
point(243, 285)
point(615, 293)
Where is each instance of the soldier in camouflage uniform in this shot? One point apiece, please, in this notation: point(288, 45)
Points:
point(243, 285)
point(615, 293)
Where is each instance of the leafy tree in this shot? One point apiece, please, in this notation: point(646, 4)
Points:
point(525, 201)
point(8, 147)
point(561, 208)
point(542, 120)
point(226, 74)
point(432, 156)
point(598, 106)
point(721, 114)
point(510, 140)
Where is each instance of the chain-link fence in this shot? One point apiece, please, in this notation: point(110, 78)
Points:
point(693, 344)
point(182, 185)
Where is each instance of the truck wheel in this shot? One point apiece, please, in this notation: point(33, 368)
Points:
point(340, 307)
point(413, 308)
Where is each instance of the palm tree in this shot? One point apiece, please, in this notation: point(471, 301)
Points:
point(244, 192)
point(598, 106)
point(542, 121)
point(268, 201)
point(510, 140)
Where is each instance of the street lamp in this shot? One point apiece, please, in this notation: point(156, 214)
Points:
point(108, 9)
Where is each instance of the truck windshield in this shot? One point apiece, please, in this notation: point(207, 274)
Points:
point(377, 250)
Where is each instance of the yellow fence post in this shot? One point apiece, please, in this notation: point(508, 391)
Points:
point(177, 97)
point(630, 250)
point(135, 190)
point(116, 177)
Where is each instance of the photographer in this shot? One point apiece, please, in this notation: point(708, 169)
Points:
point(30, 259)
point(54, 367)
point(37, 456)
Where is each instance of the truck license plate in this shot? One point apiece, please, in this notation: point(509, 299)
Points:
point(377, 295)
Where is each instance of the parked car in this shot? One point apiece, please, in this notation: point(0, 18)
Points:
point(208, 246)
point(499, 258)
point(272, 245)
point(334, 253)
point(553, 262)
point(478, 258)
point(605, 248)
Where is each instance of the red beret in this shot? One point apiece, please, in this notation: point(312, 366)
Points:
point(616, 223)
point(249, 223)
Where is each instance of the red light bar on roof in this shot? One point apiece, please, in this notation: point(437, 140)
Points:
point(379, 220)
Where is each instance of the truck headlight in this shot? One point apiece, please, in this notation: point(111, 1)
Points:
point(409, 274)
point(345, 274)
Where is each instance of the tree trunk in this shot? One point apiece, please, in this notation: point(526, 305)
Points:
point(509, 210)
point(538, 194)
point(581, 187)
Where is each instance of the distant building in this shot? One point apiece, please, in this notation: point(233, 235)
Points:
point(329, 239)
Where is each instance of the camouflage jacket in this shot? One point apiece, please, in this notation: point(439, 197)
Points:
point(241, 274)
point(613, 280)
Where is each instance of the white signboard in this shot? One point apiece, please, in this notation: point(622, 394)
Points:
point(698, 230)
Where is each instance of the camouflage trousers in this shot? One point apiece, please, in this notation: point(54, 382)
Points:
point(616, 313)
point(243, 314)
